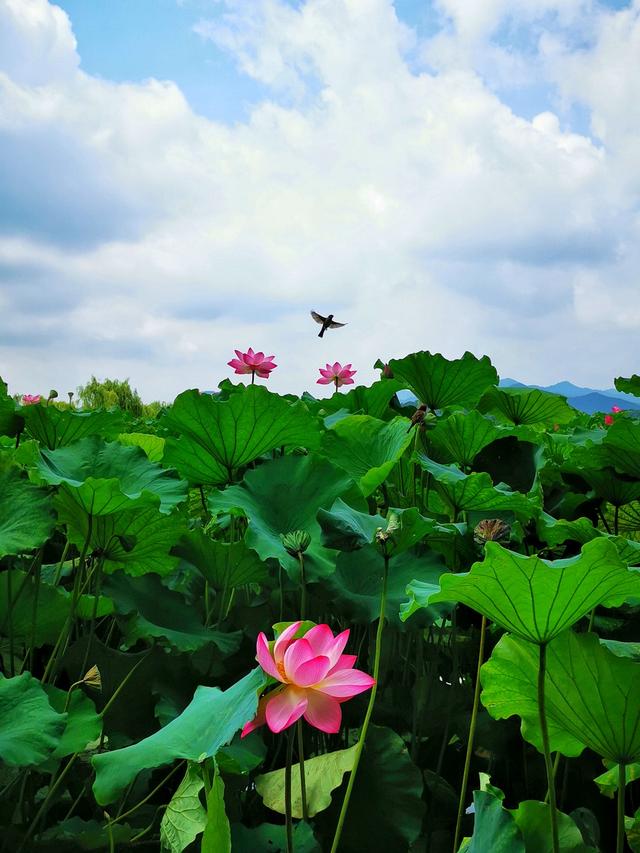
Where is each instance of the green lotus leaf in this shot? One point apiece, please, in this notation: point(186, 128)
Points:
point(608, 782)
point(632, 831)
point(356, 584)
point(26, 514)
point(21, 597)
point(438, 382)
point(630, 385)
point(527, 406)
point(83, 725)
point(54, 427)
point(216, 437)
point(367, 448)
point(272, 837)
point(77, 834)
point(460, 437)
point(538, 599)
point(138, 539)
point(153, 445)
point(494, 827)
point(348, 529)
point(323, 774)
point(371, 400)
point(242, 755)
point(386, 808)
point(461, 492)
point(30, 730)
point(282, 496)
point(616, 489)
point(224, 565)
point(217, 832)
point(154, 611)
point(419, 592)
point(618, 449)
point(557, 531)
point(106, 476)
point(11, 420)
point(592, 697)
point(185, 817)
point(207, 723)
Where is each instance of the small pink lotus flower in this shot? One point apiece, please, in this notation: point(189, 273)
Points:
point(30, 399)
point(616, 409)
point(315, 679)
point(253, 362)
point(337, 374)
point(608, 420)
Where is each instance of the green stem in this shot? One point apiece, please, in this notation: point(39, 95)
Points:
point(303, 781)
point(287, 792)
point(368, 715)
point(281, 591)
point(63, 559)
point(54, 787)
point(12, 668)
point(94, 613)
point(616, 519)
point(146, 799)
point(622, 781)
point(122, 684)
point(591, 618)
point(34, 615)
point(546, 751)
point(470, 739)
point(303, 588)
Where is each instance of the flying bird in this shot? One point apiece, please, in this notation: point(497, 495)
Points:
point(326, 322)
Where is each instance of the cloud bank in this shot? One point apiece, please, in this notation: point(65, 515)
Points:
point(387, 178)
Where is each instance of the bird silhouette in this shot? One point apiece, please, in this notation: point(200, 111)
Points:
point(326, 322)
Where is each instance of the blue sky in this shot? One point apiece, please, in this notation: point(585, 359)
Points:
point(179, 178)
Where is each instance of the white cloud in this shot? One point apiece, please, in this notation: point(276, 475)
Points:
point(140, 239)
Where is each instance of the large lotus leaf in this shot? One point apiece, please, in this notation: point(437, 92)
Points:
point(347, 529)
point(26, 514)
point(11, 422)
point(473, 492)
point(619, 449)
point(534, 821)
point(538, 599)
point(106, 476)
point(527, 406)
point(138, 539)
point(592, 697)
point(367, 448)
point(438, 382)
point(217, 832)
point(83, 725)
point(419, 593)
point(155, 611)
point(557, 531)
point(271, 837)
point(153, 445)
point(54, 427)
point(22, 598)
point(494, 827)
point(323, 774)
point(460, 437)
point(30, 730)
point(207, 723)
point(356, 584)
point(616, 489)
point(283, 496)
point(386, 807)
point(630, 385)
point(224, 565)
point(372, 400)
point(632, 830)
point(185, 817)
point(216, 437)
point(608, 782)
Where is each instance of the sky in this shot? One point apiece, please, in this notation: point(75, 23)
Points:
point(182, 178)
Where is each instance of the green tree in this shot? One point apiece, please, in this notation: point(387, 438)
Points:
point(110, 393)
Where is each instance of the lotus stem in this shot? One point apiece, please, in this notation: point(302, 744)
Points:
point(287, 792)
point(367, 718)
point(551, 783)
point(303, 588)
point(470, 739)
point(622, 782)
point(303, 781)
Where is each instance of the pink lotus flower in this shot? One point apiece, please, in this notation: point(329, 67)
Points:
point(616, 409)
point(253, 362)
point(608, 420)
point(337, 374)
point(30, 399)
point(315, 679)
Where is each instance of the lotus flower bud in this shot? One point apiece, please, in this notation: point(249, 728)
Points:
point(296, 542)
point(92, 678)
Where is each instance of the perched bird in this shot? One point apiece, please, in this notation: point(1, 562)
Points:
point(326, 322)
point(417, 418)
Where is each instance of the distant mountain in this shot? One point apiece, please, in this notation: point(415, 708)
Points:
point(589, 400)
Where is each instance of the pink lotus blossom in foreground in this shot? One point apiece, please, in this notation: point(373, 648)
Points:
point(30, 399)
point(337, 374)
point(253, 362)
point(315, 678)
